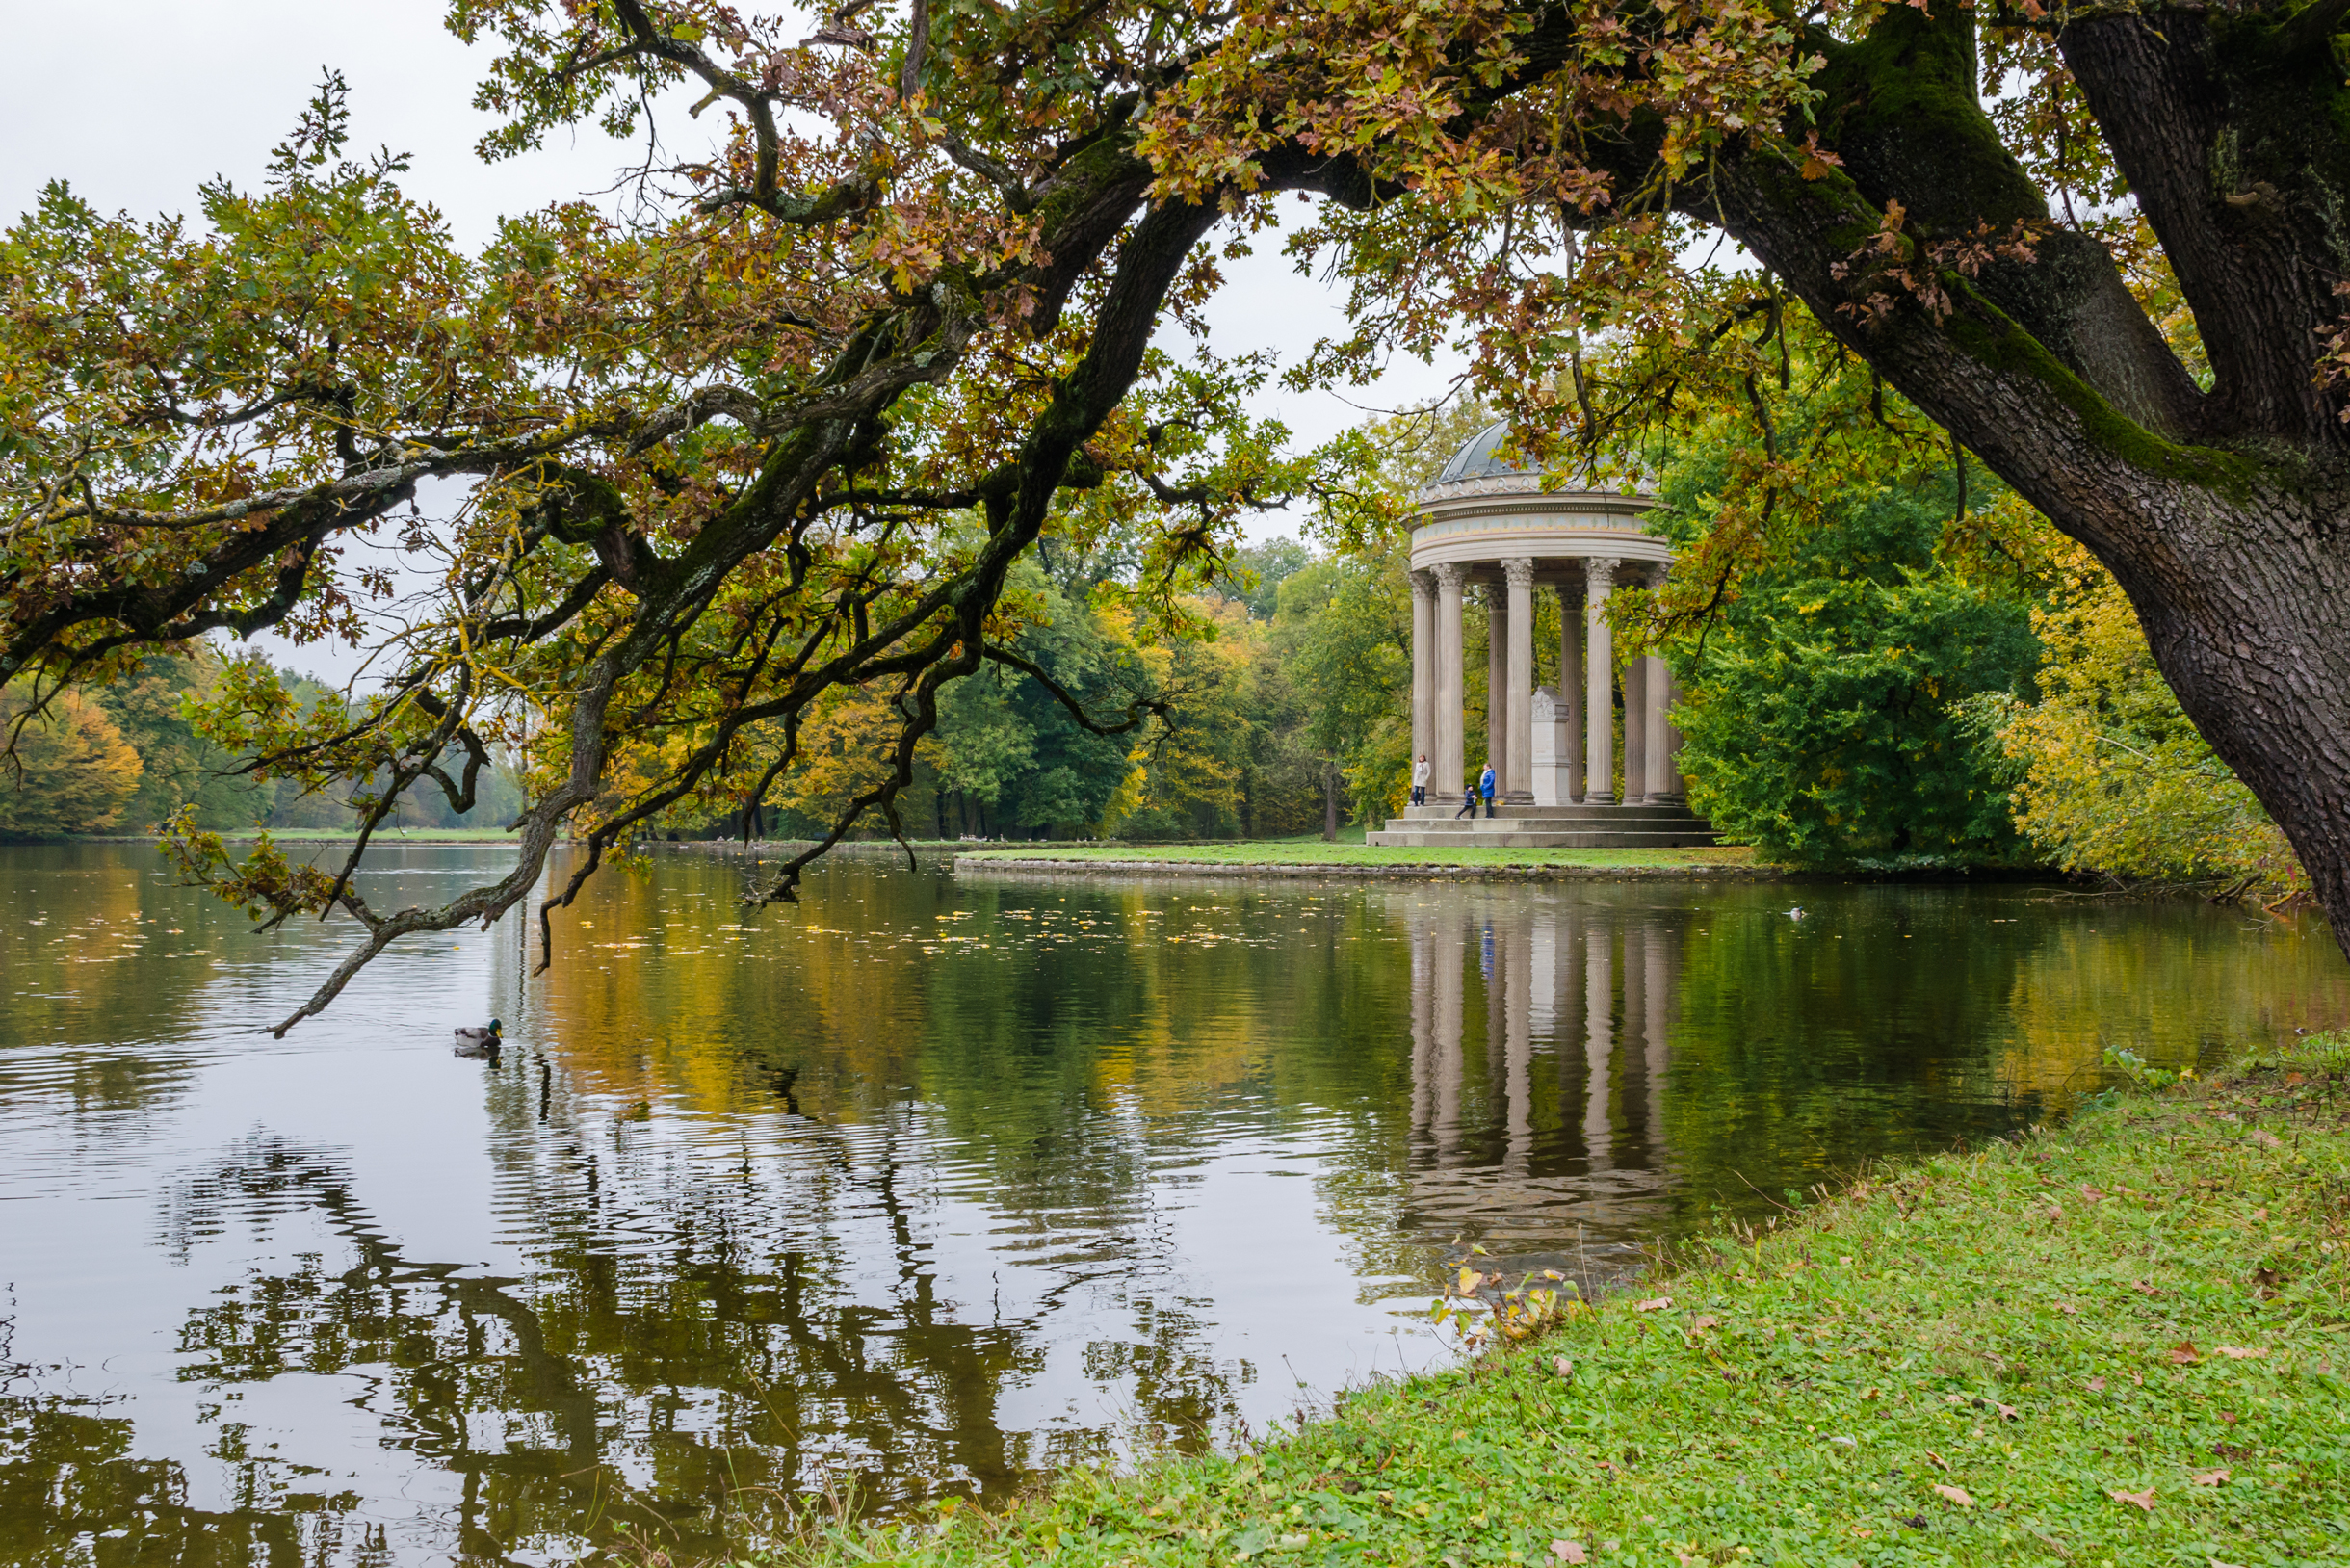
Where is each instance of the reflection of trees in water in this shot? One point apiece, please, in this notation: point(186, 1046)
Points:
point(102, 957)
point(68, 1481)
point(679, 1364)
point(728, 1308)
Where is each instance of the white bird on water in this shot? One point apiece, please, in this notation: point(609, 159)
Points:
point(1795, 913)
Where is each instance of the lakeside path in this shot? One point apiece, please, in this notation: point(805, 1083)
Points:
point(1312, 857)
point(2120, 1342)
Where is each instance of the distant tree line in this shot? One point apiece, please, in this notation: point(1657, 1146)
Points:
point(119, 758)
point(1890, 663)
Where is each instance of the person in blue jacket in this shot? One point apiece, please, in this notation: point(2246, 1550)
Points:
point(1484, 787)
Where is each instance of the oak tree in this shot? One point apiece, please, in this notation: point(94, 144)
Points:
point(783, 430)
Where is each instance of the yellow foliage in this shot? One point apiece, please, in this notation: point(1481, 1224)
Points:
point(2115, 778)
point(73, 771)
point(845, 748)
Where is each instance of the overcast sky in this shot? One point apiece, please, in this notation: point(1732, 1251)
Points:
point(213, 84)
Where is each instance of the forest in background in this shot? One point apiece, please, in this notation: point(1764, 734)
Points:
point(1907, 667)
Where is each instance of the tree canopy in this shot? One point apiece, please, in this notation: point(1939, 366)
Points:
point(782, 432)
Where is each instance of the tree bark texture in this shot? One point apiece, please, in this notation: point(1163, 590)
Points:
point(2220, 512)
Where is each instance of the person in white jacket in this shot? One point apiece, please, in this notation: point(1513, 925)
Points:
point(1419, 780)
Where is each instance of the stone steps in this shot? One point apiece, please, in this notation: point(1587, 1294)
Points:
point(1549, 827)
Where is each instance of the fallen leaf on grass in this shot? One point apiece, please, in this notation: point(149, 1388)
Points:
point(2092, 1194)
point(2144, 1287)
point(2240, 1352)
point(2209, 1477)
point(2183, 1354)
point(2097, 1385)
point(1936, 1460)
point(2007, 1412)
point(1956, 1494)
point(1569, 1551)
point(1652, 1304)
point(2266, 1139)
point(2068, 1309)
point(2143, 1500)
point(1703, 1320)
point(1564, 1368)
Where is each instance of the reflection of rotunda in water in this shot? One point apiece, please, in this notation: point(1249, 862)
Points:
point(1540, 1031)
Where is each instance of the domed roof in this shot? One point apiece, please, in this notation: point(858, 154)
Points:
point(1480, 457)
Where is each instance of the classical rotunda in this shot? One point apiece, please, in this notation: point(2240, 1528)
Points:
point(1492, 531)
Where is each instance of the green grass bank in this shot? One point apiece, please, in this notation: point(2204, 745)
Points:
point(1313, 852)
point(2120, 1342)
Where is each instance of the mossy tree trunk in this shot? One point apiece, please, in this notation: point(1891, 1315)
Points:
point(2221, 511)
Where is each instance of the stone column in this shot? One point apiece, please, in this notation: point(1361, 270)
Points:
point(1672, 750)
point(1599, 683)
point(1663, 778)
point(1446, 751)
point(1424, 669)
point(1518, 733)
point(1636, 732)
point(1571, 687)
point(1497, 686)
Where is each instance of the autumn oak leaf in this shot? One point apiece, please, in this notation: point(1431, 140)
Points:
point(2140, 1499)
point(1955, 1494)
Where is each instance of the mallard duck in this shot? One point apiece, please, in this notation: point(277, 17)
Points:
point(478, 1042)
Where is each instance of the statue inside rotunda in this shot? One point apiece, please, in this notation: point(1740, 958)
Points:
point(1491, 537)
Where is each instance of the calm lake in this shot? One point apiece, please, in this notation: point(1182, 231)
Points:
point(926, 1186)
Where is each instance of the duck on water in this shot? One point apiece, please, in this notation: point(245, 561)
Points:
point(478, 1042)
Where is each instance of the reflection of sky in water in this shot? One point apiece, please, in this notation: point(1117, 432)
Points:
point(928, 1182)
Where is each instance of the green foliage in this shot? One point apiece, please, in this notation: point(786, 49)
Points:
point(182, 767)
point(1256, 573)
point(1824, 722)
point(1004, 741)
point(1344, 630)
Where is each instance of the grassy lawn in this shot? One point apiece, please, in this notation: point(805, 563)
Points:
point(1313, 852)
point(2119, 1343)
